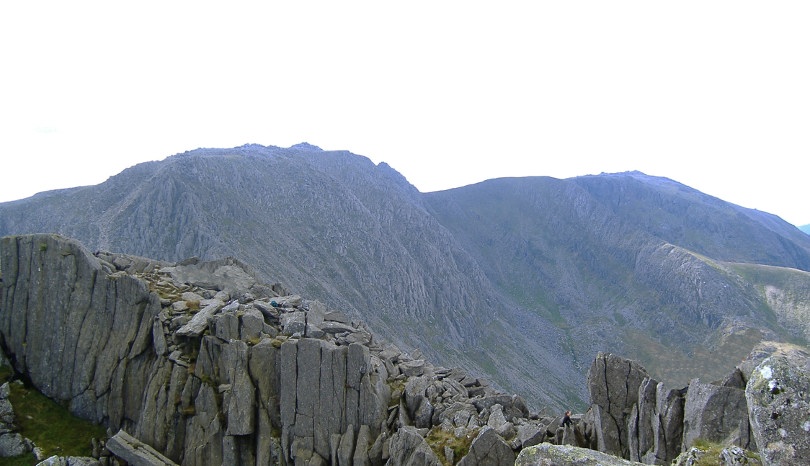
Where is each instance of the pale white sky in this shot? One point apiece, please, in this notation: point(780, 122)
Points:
point(711, 94)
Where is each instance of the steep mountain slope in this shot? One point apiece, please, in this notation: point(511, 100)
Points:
point(604, 276)
point(521, 280)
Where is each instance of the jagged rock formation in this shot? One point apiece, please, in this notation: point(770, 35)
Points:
point(760, 406)
point(520, 280)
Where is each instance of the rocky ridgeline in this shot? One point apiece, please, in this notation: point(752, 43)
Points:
point(198, 363)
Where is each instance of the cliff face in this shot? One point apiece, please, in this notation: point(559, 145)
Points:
point(80, 334)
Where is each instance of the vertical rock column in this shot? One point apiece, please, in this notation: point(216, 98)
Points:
point(613, 383)
point(327, 394)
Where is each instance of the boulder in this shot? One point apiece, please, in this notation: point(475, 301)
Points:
point(408, 448)
point(135, 452)
point(14, 444)
point(713, 413)
point(488, 448)
point(497, 421)
point(197, 325)
point(778, 396)
point(546, 454)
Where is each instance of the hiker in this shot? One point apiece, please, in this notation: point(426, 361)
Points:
point(566, 422)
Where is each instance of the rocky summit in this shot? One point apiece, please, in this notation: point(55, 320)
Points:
point(200, 363)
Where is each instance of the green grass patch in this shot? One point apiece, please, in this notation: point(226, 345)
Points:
point(438, 439)
point(5, 374)
point(22, 460)
point(51, 426)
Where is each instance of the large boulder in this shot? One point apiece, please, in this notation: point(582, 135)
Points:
point(488, 448)
point(546, 454)
point(716, 414)
point(613, 384)
point(408, 448)
point(778, 395)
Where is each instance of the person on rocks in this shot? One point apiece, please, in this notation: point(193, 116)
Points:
point(566, 422)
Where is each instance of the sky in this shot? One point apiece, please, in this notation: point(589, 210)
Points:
point(714, 95)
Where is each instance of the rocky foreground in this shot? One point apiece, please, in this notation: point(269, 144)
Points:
point(197, 363)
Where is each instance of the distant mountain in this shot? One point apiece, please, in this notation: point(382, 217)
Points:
point(522, 280)
point(805, 228)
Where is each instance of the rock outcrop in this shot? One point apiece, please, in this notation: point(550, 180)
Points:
point(760, 407)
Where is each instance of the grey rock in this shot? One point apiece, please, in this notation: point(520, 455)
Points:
point(413, 368)
point(251, 324)
point(667, 424)
point(159, 338)
point(337, 327)
point(530, 434)
point(316, 312)
point(408, 448)
point(378, 453)
point(313, 331)
point(197, 325)
point(294, 322)
point(135, 452)
point(778, 396)
point(336, 317)
point(546, 454)
point(488, 448)
point(239, 401)
point(713, 413)
point(457, 414)
point(13, 444)
point(513, 406)
point(363, 444)
point(497, 421)
point(225, 325)
point(613, 384)
point(735, 455)
point(346, 447)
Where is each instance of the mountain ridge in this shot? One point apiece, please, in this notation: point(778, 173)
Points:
point(502, 278)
